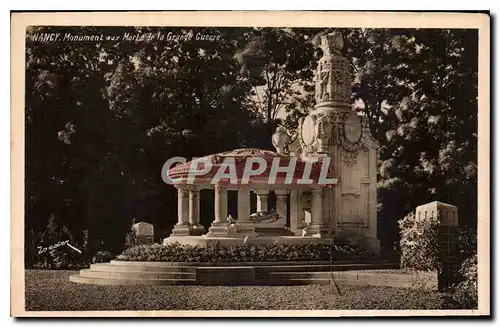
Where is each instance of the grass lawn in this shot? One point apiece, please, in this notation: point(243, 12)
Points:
point(52, 291)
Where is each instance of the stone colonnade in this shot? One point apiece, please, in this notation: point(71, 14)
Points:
point(188, 207)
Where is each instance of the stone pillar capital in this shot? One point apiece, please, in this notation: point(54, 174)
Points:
point(262, 193)
point(220, 188)
point(281, 192)
point(190, 188)
point(182, 190)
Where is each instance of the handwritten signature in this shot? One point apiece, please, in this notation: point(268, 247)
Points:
point(42, 249)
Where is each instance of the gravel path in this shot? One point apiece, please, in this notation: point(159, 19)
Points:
point(52, 291)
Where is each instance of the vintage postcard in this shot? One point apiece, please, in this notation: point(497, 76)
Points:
point(314, 164)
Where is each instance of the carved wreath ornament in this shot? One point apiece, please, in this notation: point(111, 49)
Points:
point(308, 142)
point(352, 132)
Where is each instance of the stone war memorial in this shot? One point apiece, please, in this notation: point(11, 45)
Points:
point(323, 177)
point(333, 139)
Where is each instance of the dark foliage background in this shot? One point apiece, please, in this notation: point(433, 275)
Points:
point(101, 118)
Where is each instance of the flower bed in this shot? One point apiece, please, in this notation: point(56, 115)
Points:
point(243, 253)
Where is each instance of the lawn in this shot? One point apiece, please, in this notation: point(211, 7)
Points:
point(52, 291)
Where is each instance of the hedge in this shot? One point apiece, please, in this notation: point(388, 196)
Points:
point(243, 253)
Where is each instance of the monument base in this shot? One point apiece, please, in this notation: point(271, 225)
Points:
point(181, 230)
point(240, 239)
point(185, 230)
point(317, 231)
point(372, 245)
point(197, 230)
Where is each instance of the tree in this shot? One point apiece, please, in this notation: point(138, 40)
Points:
point(102, 118)
point(278, 64)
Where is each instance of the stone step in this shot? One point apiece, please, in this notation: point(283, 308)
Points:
point(294, 281)
point(290, 275)
point(107, 281)
point(377, 278)
point(136, 275)
point(334, 267)
point(138, 268)
point(253, 264)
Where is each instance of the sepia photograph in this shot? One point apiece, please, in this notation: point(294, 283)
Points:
point(250, 163)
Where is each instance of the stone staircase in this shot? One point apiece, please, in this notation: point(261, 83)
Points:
point(258, 273)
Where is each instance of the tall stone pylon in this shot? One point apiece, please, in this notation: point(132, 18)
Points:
point(333, 76)
point(333, 129)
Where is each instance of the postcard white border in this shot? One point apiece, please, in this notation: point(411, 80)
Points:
point(20, 21)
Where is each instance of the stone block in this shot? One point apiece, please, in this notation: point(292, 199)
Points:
point(446, 213)
point(144, 232)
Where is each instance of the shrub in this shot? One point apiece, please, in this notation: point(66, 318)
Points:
point(466, 242)
point(47, 249)
point(131, 239)
point(102, 256)
point(465, 292)
point(243, 253)
point(420, 243)
point(59, 259)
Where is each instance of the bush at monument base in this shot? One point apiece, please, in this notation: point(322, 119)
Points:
point(465, 292)
point(419, 243)
point(243, 253)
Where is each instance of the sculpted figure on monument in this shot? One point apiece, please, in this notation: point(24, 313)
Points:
point(324, 82)
point(281, 139)
point(332, 43)
point(324, 131)
point(264, 216)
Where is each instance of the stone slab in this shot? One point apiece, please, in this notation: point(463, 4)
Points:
point(107, 281)
point(236, 239)
point(225, 275)
point(263, 273)
point(362, 264)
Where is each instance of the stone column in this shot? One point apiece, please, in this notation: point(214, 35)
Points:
point(182, 226)
point(262, 196)
point(219, 225)
point(220, 205)
point(317, 227)
point(243, 203)
point(296, 212)
point(281, 208)
point(194, 212)
point(316, 207)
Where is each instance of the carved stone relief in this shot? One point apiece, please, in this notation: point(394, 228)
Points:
point(349, 158)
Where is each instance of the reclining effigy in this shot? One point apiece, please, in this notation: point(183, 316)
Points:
point(265, 216)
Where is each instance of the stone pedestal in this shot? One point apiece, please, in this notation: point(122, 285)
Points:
point(241, 230)
point(447, 215)
point(144, 232)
